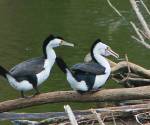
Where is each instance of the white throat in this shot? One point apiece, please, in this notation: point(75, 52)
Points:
point(102, 60)
point(51, 55)
point(48, 64)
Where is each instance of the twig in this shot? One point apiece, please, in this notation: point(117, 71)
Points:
point(123, 122)
point(139, 41)
point(133, 37)
point(97, 116)
point(142, 41)
point(137, 31)
point(93, 123)
point(70, 115)
point(129, 70)
point(143, 116)
point(114, 8)
point(116, 80)
point(114, 121)
point(145, 7)
point(140, 17)
point(136, 117)
point(142, 32)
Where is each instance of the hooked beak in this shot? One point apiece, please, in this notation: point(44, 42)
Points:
point(112, 53)
point(66, 43)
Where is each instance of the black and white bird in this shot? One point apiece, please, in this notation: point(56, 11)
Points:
point(32, 73)
point(84, 77)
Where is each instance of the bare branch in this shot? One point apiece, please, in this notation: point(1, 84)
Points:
point(114, 8)
point(145, 7)
point(143, 117)
point(142, 32)
point(140, 17)
point(137, 31)
point(114, 121)
point(98, 117)
point(142, 41)
point(70, 115)
point(133, 37)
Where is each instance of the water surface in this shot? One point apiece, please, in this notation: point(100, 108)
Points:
point(25, 24)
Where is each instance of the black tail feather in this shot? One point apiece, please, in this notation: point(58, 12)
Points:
point(3, 71)
point(61, 64)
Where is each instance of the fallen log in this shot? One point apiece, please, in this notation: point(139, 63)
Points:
point(72, 96)
point(54, 115)
point(84, 115)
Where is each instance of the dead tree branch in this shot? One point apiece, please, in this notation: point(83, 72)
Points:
point(71, 116)
point(72, 96)
point(84, 116)
point(114, 8)
point(140, 17)
point(61, 116)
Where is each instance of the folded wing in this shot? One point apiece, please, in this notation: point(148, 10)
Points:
point(92, 67)
point(32, 66)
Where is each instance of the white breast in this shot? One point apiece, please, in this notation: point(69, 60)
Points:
point(100, 80)
point(42, 76)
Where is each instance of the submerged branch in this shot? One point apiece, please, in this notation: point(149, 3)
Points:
point(140, 17)
point(114, 8)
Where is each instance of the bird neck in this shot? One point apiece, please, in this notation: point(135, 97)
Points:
point(49, 53)
point(102, 61)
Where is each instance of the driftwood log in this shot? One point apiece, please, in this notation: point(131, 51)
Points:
point(105, 114)
point(72, 96)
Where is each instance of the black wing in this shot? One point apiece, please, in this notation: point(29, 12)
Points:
point(93, 68)
point(87, 77)
point(32, 66)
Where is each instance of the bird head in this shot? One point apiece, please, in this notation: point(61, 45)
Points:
point(100, 48)
point(52, 41)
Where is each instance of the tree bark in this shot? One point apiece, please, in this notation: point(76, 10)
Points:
point(121, 66)
point(72, 96)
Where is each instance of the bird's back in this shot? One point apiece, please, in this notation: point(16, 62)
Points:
point(92, 67)
point(28, 67)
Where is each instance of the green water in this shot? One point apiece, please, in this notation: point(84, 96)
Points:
point(24, 24)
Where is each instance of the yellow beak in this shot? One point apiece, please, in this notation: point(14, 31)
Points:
point(113, 53)
point(67, 43)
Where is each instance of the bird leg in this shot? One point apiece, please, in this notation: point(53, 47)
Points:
point(88, 92)
point(81, 92)
point(94, 90)
point(37, 91)
point(22, 94)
